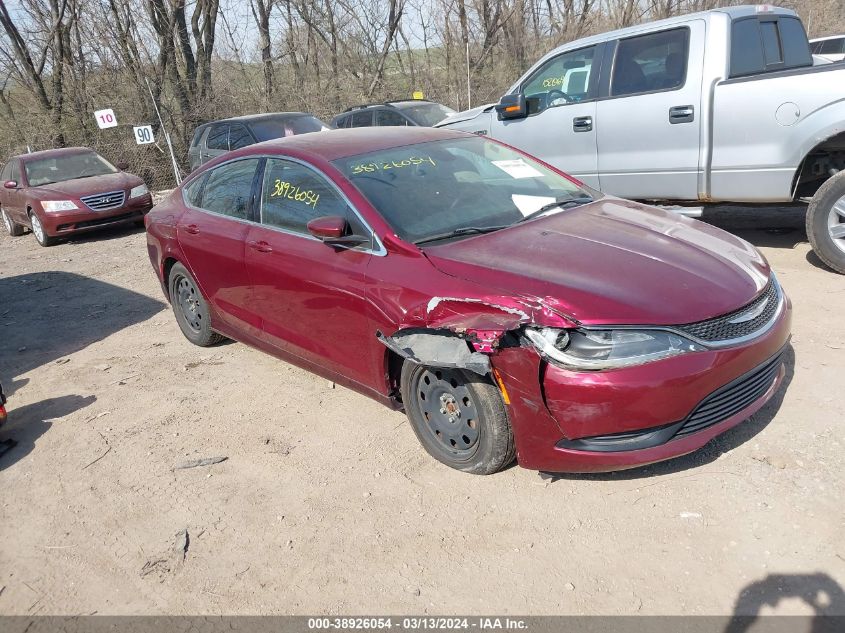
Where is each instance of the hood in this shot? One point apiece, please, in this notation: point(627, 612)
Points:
point(88, 186)
point(613, 262)
point(466, 115)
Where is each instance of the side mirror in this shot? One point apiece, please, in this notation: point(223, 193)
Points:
point(330, 230)
point(512, 107)
point(11, 184)
point(122, 165)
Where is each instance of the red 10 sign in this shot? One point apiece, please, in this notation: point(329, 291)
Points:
point(105, 118)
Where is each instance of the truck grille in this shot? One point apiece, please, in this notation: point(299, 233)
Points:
point(733, 325)
point(105, 201)
point(732, 398)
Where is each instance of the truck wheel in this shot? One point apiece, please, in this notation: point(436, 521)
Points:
point(826, 223)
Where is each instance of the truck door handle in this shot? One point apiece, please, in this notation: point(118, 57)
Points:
point(582, 123)
point(193, 229)
point(260, 246)
point(681, 114)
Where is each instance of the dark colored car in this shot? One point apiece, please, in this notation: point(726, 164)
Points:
point(509, 309)
point(60, 192)
point(210, 140)
point(417, 112)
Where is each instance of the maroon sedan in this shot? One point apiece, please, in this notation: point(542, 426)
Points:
point(507, 308)
point(59, 192)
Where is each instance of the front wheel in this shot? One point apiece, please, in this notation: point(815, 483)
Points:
point(459, 418)
point(826, 222)
point(190, 308)
point(38, 231)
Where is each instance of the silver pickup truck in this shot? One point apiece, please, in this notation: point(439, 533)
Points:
point(720, 106)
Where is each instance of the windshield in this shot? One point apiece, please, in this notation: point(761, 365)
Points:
point(277, 128)
point(67, 167)
point(435, 188)
point(427, 114)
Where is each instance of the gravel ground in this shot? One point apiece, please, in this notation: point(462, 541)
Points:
point(326, 503)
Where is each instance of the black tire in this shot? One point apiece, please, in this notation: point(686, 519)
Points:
point(191, 308)
point(38, 231)
point(14, 229)
point(474, 435)
point(822, 218)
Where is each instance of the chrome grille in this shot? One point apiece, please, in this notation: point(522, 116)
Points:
point(105, 201)
point(732, 398)
point(732, 325)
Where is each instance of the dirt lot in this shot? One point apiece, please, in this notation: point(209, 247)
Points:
point(326, 503)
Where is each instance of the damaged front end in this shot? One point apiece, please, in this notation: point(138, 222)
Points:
point(462, 333)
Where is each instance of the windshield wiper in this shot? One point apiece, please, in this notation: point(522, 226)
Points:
point(464, 230)
point(563, 203)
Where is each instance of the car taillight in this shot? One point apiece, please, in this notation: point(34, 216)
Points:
point(2, 414)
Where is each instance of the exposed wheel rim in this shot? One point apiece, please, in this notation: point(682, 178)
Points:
point(6, 221)
point(450, 415)
point(37, 228)
point(836, 224)
point(187, 299)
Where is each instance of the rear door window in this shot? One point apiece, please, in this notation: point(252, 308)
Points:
point(228, 188)
point(650, 63)
point(218, 138)
point(363, 118)
point(390, 117)
point(835, 46)
point(239, 137)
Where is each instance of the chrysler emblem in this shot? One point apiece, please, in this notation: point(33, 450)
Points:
point(753, 313)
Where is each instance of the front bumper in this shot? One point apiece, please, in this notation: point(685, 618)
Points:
point(84, 219)
point(567, 421)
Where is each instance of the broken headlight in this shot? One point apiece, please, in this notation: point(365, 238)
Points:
point(594, 350)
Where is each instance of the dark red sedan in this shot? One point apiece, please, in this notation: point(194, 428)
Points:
point(508, 309)
point(59, 192)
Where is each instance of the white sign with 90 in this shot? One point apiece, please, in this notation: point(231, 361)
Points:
point(105, 118)
point(144, 134)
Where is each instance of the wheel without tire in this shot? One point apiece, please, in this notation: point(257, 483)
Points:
point(190, 308)
point(38, 231)
point(826, 222)
point(14, 229)
point(458, 417)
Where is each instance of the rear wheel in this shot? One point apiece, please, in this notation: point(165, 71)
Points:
point(826, 222)
point(458, 417)
point(13, 228)
point(38, 231)
point(190, 308)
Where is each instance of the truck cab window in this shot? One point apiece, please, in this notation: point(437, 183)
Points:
point(759, 46)
point(649, 63)
point(561, 80)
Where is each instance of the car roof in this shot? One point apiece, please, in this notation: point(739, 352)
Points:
point(247, 118)
point(330, 145)
point(52, 153)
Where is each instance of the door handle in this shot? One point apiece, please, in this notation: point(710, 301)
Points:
point(582, 123)
point(681, 114)
point(260, 246)
point(193, 229)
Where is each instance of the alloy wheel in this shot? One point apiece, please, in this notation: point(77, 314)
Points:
point(836, 223)
point(37, 228)
point(6, 221)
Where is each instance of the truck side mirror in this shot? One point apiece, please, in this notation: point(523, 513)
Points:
point(512, 107)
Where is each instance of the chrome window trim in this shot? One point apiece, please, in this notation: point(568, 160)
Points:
point(377, 248)
point(707, 344)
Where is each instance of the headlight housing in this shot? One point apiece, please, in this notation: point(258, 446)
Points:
point(594, 350)
point(51, 206)
point(140, 190)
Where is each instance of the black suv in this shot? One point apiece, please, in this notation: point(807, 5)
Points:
point(218, 137)
point(407, 112)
